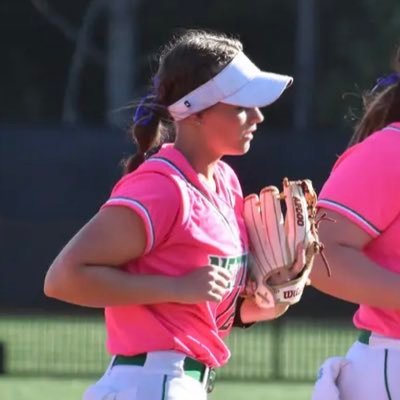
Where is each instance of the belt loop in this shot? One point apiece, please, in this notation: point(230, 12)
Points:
point(205, 377)
point(364, 336)
point(210, 383)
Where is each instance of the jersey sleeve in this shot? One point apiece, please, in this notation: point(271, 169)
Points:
point(363, 184)
point(152, 196)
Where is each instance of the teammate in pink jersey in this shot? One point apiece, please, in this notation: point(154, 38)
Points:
point(362, 194)
point(166, 255)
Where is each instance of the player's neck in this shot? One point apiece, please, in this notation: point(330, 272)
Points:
point(201, 160)
point(209, 182)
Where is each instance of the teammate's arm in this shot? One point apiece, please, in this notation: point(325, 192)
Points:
point(88, 270)
point(355, 278)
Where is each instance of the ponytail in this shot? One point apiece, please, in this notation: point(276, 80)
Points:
point(373, 119)
point(381, 105)
point(151, 126)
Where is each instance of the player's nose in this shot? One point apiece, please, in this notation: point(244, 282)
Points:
point(255, 116)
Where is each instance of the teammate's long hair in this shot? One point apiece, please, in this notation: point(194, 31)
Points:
point(185, 63)
point(381, 107)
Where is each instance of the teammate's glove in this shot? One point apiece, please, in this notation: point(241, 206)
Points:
point(277, 243)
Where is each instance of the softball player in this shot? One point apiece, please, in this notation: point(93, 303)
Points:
point(166, 255)
point(363, 246)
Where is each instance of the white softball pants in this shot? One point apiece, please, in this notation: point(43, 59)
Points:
point(369, 371)
point(373, 371)
point(161, 377)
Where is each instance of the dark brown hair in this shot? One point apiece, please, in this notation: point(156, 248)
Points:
point(185, 63)
point(381, 107)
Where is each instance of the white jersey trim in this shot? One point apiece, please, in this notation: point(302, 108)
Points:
point(120, 200)
point(369, 227)
point(391, 128)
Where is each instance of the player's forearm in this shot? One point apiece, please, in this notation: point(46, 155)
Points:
point(250, 312)
point(98, 286)
point(355, 278)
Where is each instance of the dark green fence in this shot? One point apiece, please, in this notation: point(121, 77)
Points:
point(287, 349)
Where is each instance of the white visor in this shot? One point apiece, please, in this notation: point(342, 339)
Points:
point(240, 83)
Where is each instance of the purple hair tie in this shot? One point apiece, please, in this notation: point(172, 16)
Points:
point(386, 81)
point(144, 113)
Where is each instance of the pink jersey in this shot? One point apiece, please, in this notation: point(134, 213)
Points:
point(364, 187)
point(188, 226)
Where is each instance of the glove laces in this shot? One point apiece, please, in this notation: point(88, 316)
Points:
point(319, 247)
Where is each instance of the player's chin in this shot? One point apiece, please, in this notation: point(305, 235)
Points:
point(245, 147)
point(238, 151)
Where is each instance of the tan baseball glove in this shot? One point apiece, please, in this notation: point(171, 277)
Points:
point(280, 240)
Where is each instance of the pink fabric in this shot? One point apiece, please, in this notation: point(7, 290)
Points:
point(188, 226)
point(364, 186)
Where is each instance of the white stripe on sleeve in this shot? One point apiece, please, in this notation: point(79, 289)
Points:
point(143, 211)
point(342, 209)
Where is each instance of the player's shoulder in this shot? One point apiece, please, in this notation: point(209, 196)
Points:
point(379, 148)
point(147, 180)
point(384, 138)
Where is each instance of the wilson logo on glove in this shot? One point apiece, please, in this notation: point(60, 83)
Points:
point(278, 243)
point(289, 294)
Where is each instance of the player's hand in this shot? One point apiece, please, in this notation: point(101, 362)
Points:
point(209, 283)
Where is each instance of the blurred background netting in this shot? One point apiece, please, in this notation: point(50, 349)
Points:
point(71, 345)
point(69, 73)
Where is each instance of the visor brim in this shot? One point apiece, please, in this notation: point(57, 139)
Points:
point(261, 91)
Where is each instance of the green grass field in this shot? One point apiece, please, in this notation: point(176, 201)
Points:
point(71, 389)
point(61, 349)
